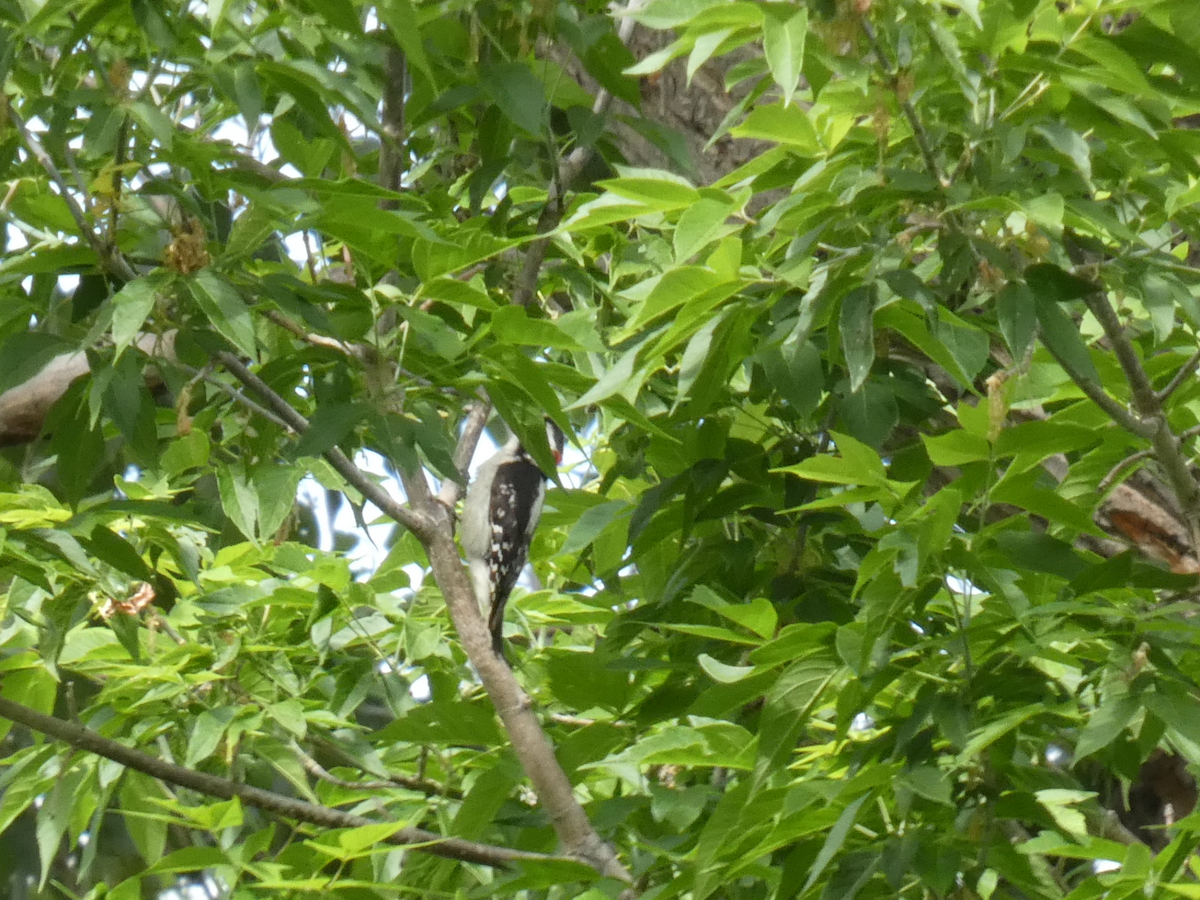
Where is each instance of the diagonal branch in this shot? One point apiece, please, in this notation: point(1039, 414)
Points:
point(1186, 371)
point(577, 837)
point(568, 171)
point(110, 258)
point(85, 739)
point(1096, 394)
point(467, 442)
point(924, 144)
point(1148, 405)
point(414, 521)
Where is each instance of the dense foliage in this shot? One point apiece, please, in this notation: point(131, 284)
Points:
point(874, 572)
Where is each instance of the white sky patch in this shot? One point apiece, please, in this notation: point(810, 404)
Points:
point(16, 238)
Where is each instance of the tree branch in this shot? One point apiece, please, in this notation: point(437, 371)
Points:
point(110, 258)
point(392, 130)
point(1186, 371)
point(82, 738)
point(422, 785)
point(1095, 393)
point(568, 171)
point(577, 837)
point(23, 408)
point(463, 453)
point(1167, 447)
point(906, 106)
point(414, 521)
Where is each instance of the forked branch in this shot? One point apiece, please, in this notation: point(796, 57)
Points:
point(85, 739)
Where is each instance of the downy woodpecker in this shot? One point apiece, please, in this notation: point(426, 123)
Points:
point(499, 516)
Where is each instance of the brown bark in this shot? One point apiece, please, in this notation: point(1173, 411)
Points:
point(23, 409)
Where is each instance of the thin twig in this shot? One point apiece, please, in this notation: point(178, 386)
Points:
point(1116, 471)
point(85, 739)
point(238, 397)
point(467, 442)
point(580, 722)
point(109, 258)
point(416, 522)
point(1167, 449)
point(906, 106)
point(317, 340)
point(568, 171)
point(34, 146)
point(315, 769)
point(1188, 370)
point(1096, 394)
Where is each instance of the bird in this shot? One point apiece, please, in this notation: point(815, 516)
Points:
point(500, 515)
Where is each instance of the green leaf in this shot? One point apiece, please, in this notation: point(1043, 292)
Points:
point(956, 448)
point(619, 378)
point(238, 499)
point(665, 191)
point(402, 22)
point(1062, 338)
point(834, 471)
point(1016, 310)
point(594, 522)
point(968, 345)
point(466, 247)
point(1032, 442)
point(331, 424)
point(1107, 722)
point(695, 355)
point(1061, 805)
point(1070, 144)
point(1053, 284)
point(869, 414)
point(519, 95)
point(1040, 553)
point(835, 839)
point(131, 307)
point(720, 672)
point(54, 816)
point(703, 221)
point(117, 552)
point(512, 325)
point(929, 782)
point(155, 121)
point(207, 732)
point(908, 285)
point(225, 309)
point(276, 490)
point(216, 15)
point(786, 710)
point(675, 288)
point(858, 334)
point(482, 802)
point(971, 8)
point(784, 30)
point(351, 843)
point(788, 125)
point(664, 14)
point(290, 714)
point(26, 354)
point(191, 859)
point(1171, 704)
point(143, 819)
